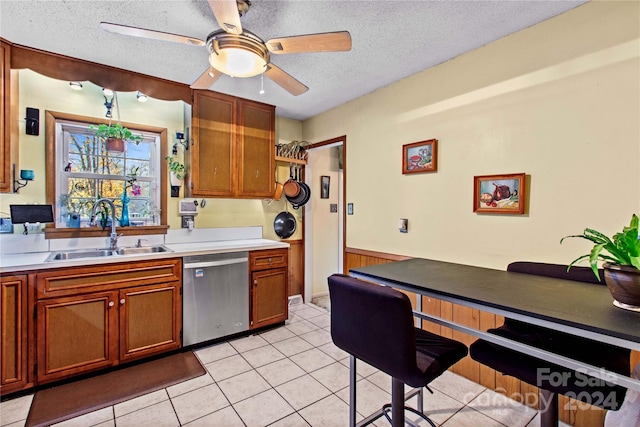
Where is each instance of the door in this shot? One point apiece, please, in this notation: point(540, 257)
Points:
point(13, 353)
point(324, 218)
point(76, 334)
point(149, 320)
point(213, 151)
point(269, 299)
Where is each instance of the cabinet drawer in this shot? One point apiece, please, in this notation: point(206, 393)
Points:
point(76, 280)
point(271, 258)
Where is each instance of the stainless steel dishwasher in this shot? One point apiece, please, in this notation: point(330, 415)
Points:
point(215, 300)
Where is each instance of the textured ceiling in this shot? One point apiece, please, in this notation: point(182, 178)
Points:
point(391, 39)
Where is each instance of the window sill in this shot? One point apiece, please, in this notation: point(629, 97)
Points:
point(68, 233)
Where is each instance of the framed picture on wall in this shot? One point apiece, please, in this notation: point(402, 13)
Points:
point(420, 157)
point(502, 194)
point(324, 186)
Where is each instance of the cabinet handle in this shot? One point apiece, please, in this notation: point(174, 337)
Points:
point(122, 301)
point(111, 303)
point(255, 282)
point(257, 172)
point(215, 170)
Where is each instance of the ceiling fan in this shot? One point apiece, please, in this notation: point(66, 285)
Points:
point(240, 53)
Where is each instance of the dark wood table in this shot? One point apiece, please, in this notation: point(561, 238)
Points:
point(577, 308)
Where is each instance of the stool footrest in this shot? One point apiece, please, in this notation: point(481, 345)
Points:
point(387, 408)
point(379, 413)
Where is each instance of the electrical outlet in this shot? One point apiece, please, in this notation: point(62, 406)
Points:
point(186, 219)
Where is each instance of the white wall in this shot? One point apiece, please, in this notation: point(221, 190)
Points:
point(559, 101)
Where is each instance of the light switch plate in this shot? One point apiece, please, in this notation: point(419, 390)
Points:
point(333, 208)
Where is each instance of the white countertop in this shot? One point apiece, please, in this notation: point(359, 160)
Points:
point(36, 260)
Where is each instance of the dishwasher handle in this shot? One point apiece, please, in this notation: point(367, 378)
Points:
point(215, 263)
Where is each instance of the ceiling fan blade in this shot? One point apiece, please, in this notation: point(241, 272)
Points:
point(150, 34)
point(288, 83)
point(322, 42)
point(227, 15)
point(206, 79)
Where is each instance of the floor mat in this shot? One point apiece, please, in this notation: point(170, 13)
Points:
point(70, 400)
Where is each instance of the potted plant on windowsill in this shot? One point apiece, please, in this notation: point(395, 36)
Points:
point(115, 136)
point(621, 256)
point(177, 170)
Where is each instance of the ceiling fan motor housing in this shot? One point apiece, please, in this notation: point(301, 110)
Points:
point(238, 55)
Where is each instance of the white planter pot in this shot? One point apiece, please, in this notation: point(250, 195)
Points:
point(175, 182)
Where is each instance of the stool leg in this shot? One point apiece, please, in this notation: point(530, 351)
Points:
point(548, 408)
point(352, 391)
point(397, 403)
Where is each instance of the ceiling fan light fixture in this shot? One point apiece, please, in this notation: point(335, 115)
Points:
point(241, 55)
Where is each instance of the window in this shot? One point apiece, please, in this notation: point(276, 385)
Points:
point(88, 172)
point(84, 172)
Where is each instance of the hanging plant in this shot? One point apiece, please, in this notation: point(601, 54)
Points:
point(177, 170)
point(115, 135)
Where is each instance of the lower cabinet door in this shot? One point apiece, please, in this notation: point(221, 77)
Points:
point(150, 320)
point(76, 334)
point(13, 326)
point(269, 297)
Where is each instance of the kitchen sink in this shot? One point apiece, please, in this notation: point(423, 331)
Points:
point(93, 253)
point(143, 250)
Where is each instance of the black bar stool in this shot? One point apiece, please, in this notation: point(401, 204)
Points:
point(550, 378)
point(375, 324)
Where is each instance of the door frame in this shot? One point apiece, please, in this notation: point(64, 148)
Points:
point(308, 242)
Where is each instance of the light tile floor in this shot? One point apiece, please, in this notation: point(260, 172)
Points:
point(291, 376)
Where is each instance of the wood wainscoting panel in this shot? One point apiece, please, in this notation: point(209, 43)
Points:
point(571, 412)
point(296, 267)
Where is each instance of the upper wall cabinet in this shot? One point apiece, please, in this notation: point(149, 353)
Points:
point(233, 153)
point(8, 95)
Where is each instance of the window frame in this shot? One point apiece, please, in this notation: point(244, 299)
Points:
point(52, 159)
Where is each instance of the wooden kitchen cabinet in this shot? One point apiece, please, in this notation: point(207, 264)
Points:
point(150, 320)
point(233, 150)
point(8, 127)
point(256, 149)
point(76, 334)
point(269, 287)
point(89, 318)
point(13, 326)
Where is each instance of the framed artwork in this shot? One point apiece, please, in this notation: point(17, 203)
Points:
point(420, 157)
point(324, 186)
point(503, 194)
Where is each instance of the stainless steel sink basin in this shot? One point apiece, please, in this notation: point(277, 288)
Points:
point(90, 253)
point(143, 250)
point(93, 253)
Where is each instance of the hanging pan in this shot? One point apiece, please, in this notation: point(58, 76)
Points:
point(284, 225)
point(277, 193)
point(303, 196)
point(291, 188)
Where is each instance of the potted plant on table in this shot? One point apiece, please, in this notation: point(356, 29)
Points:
point(115, 135)
point(621, 256)
point(177, 170)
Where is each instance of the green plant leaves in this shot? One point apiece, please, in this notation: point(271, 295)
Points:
point(623, 249)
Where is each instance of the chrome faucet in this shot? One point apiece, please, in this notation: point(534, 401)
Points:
point(113, 238)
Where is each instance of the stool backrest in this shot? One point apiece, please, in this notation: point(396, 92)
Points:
point(373, 323)
point(558, 271)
